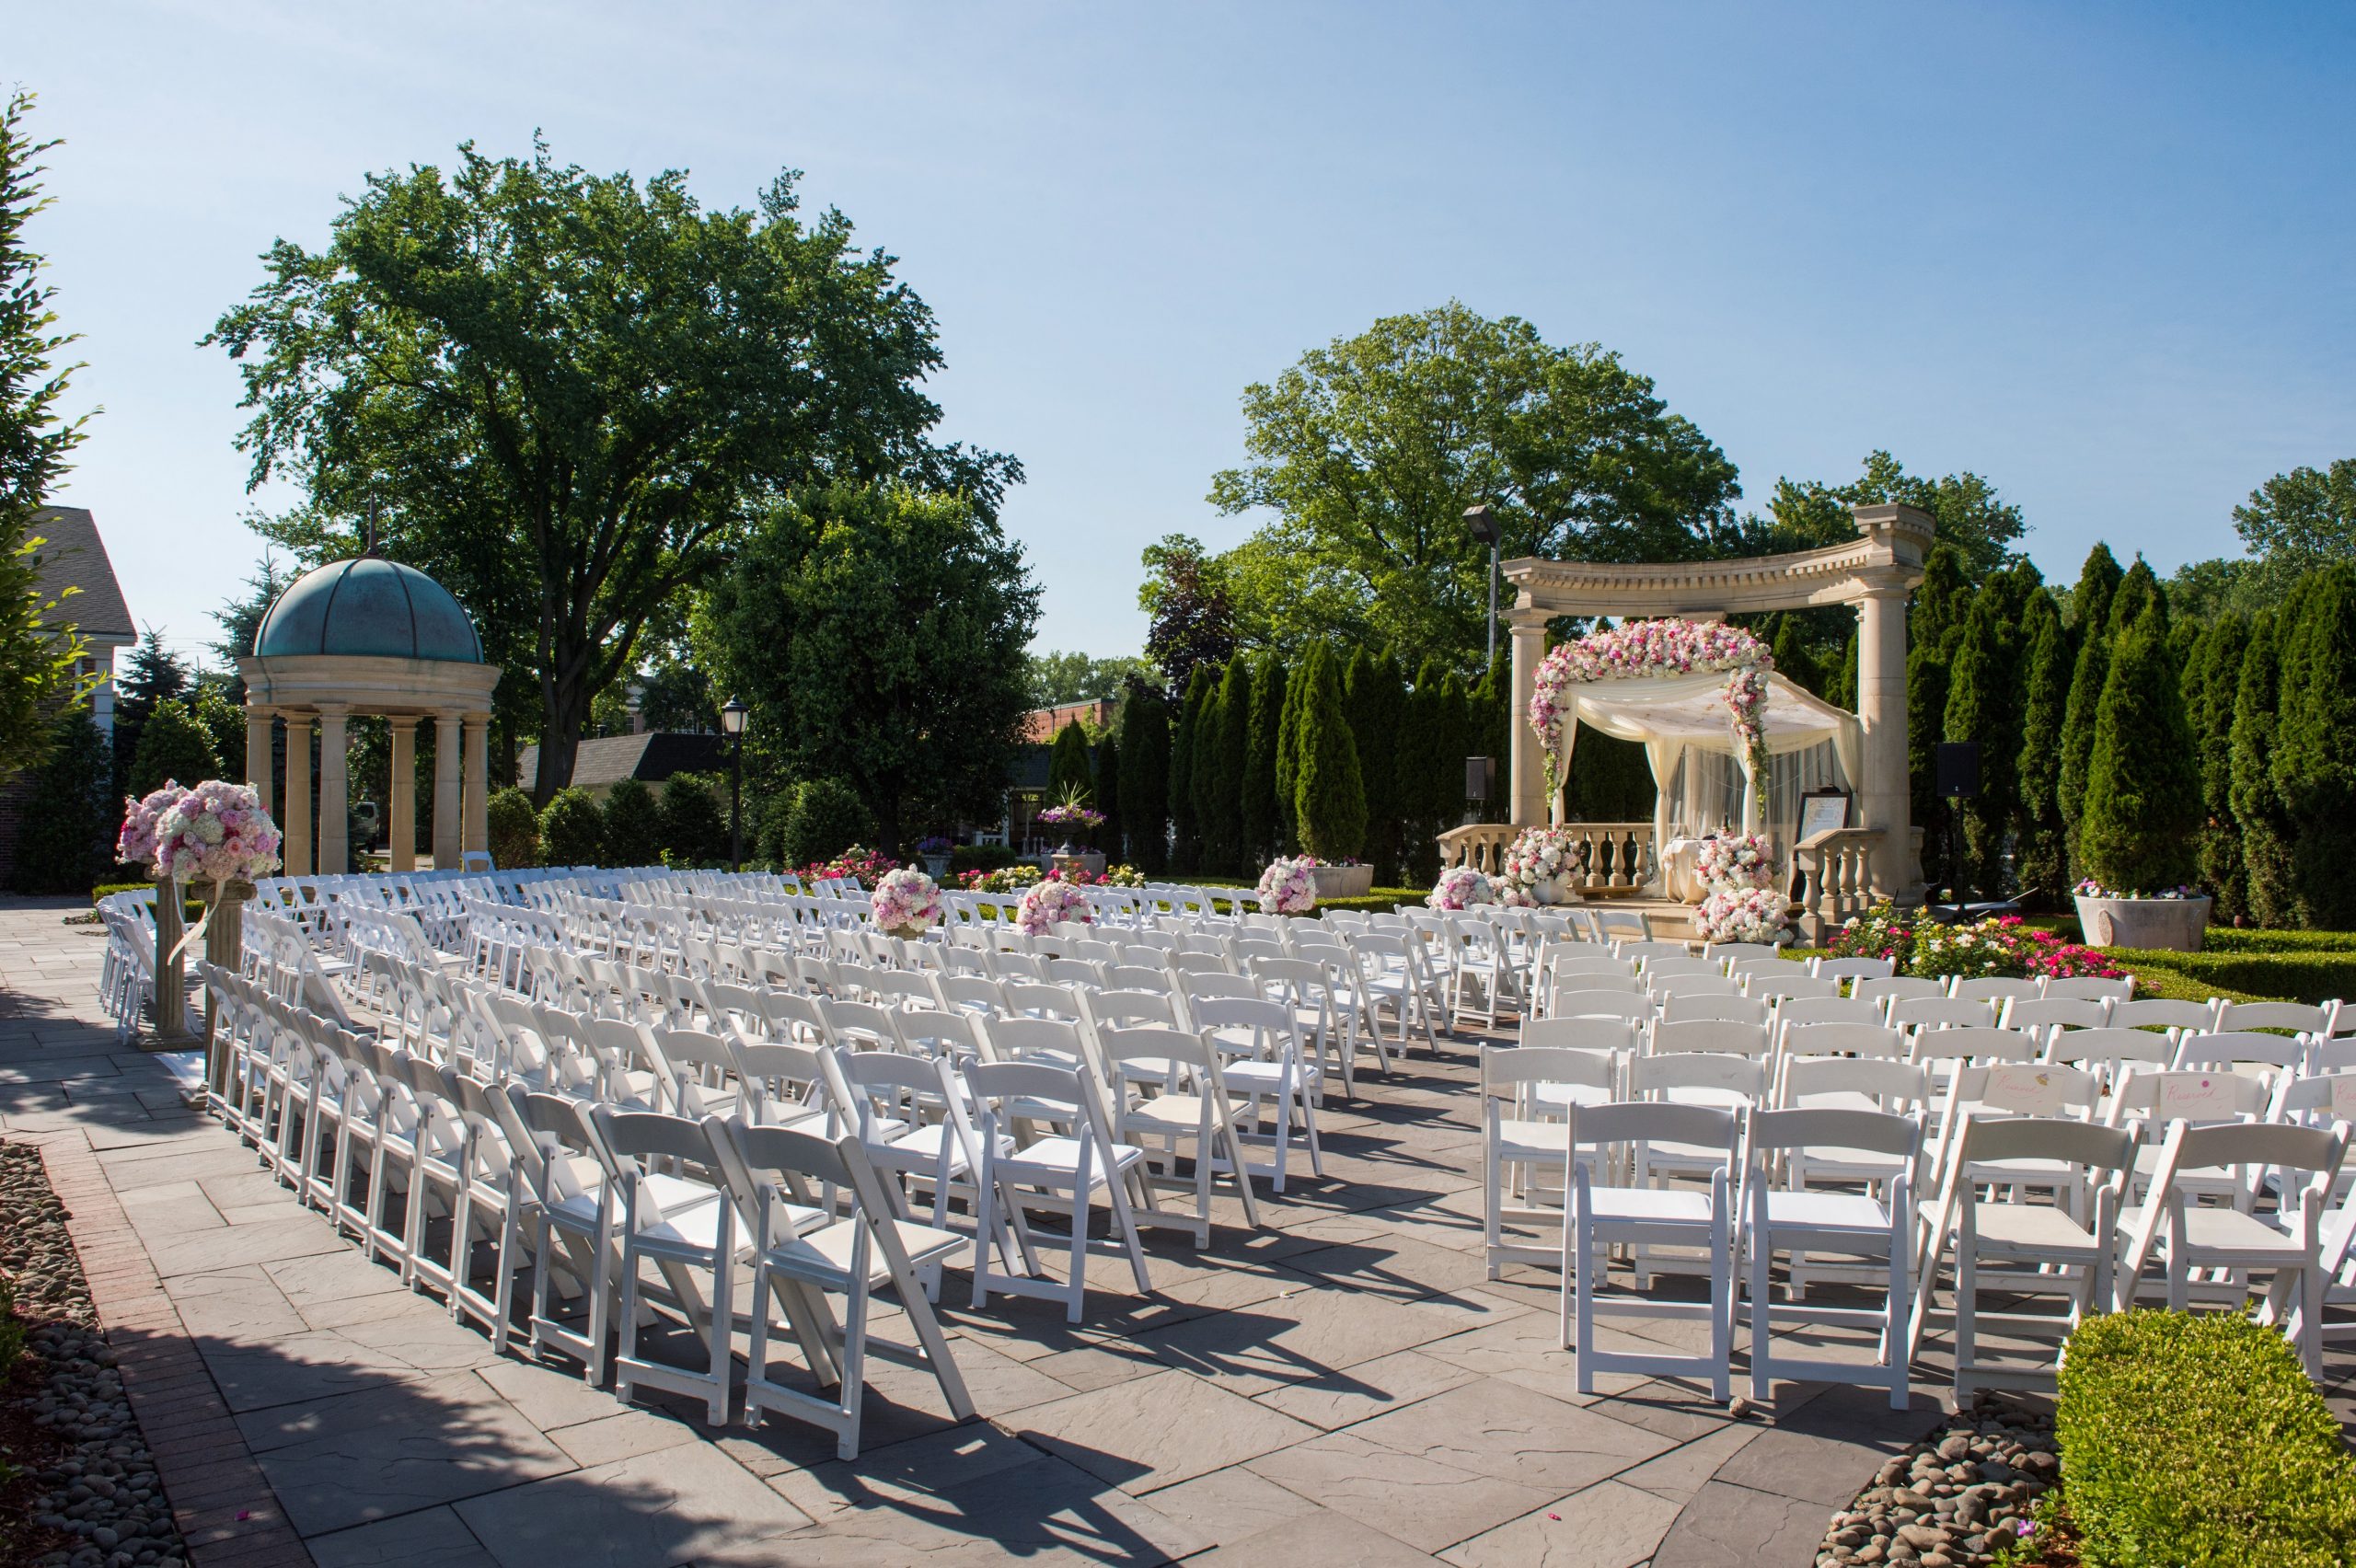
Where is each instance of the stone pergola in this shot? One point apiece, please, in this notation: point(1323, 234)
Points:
point(1875, 573)
point(370, 636)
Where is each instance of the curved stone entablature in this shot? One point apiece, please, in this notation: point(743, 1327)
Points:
point(1874, 572)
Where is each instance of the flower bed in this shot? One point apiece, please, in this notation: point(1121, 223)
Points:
point(2198, 1442)
point(2003, 945)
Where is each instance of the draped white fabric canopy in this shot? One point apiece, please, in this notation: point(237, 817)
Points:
point(1673, 713)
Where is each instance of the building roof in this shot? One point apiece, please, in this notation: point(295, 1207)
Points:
point(1045, 723)
point(650, 758)
point(71, 555)
point(368, 606)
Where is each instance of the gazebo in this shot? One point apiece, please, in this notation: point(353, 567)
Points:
point(1874, 573)
point(370, 636)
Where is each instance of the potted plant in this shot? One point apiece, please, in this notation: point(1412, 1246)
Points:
point(1342, 879)
point(934, 853)
point(2138, 833)
point(1076, 817)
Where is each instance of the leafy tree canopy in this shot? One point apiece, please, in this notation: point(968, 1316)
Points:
point(1369, 450)
point(564, 394)
point(2301, 519)
point(1807, 515)
point(877, 634)
point(1058, 679)
point(1186, 592)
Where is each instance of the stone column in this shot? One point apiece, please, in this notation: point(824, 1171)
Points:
point(445, 791)
point(477, 825)
point(1527, 790)
point(259, 735)
point(298, 824)
point(335, 793)
point(401, 826)
point(1883, 797)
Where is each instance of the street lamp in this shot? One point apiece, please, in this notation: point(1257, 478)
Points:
point(731, 724)
point(1482, 523)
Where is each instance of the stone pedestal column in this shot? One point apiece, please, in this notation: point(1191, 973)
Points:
point(259, 735)
point(171, 965)
point(335, 793)
point(445, 791)
point(1883, 797)
point(1527, 790)
point(297, 823)
point(401, 823)
point(477, 824)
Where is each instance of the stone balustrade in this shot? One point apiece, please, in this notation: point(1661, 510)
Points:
point(1838, 866)
point(1610, 858)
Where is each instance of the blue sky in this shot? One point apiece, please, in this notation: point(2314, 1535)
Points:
point(2098, 254)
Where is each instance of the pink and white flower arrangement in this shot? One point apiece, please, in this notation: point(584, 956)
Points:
point(1460, 887)
point(1542, 855)
point(906, 903)
point(1635, 649)
point(1735, 914)
point(1044, 904)
point(135, 844)
point(1735, 859)
point(1290, 886)
point(218, 833)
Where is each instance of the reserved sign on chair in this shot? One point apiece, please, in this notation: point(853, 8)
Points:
point(2026, 1089)
point(2197, 1097)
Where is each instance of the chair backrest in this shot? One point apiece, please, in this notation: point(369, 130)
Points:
point(1264, 1026)
point(2160, 1096)
point(1978, 1042)
point(1995, 987)
point(1636, 1008)
point(1897, 1086)
point(1662, 1076)
point(1736, 1037)
point(1644, 951)
point(2161, 1012)
point(1718, 1008)
point(1127, 1009)
point(2090, 1146)
point(935, 1033)
point(1695, 985)
point(778, 1071)
point(968, 993)
point(2090, 988)
point(1519, 1066)
point(1927, 1013)
point(2276, 1146)
point(1019, 1039)
point(860, 1026)
point(1629, 1122)
point(1853, 968)
point(2053, 1012)
point(1903, 988)
point(1788, 982)
point(1843, 1040)
point(2025, 1089)
point(1580, 1034)
point(1824, 1127)
point(2299, 1018)
point(1138, 977)
point(1796, 1011)
point(2110, 1047)
point(1043, 1001)
point(1682, 966)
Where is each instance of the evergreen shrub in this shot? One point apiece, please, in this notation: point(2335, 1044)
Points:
point(573, 830)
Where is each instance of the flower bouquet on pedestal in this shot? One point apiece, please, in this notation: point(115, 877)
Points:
point(1460, 887)
point(136, 844)
point(1535, 869)
point(1290, 886)
point(1733, 913)
point(905, 904)
point(1052, 901)
point(1735, 859)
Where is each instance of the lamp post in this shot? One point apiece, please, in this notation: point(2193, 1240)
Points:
point(731, 724)
point(1482, 523)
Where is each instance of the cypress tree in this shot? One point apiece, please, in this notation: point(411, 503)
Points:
point(633, 820)
point(1420, 756)
point(71, 813)
point(2257, 810)
point(1218, 793)
point(1984, 701)
point(2314, 758)
point(2040, 864)
point(1068, 770)
point(1187, 848)
point(1793, 661)
point(1458, 743)
point(2217, 666)
point(1491, 733)
point(1373, 696)
point(1841, 682)
point(1259, 815)
point(2142, 821)
point(2138, 590)
point(2090, 600)
point(2088, 677)
point(1934, 626)
point(1144, 768)
point(1209, 855)
point(1329, 802)
point(1108, 797)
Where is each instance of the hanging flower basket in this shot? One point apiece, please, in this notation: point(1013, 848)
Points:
point(1634, 649)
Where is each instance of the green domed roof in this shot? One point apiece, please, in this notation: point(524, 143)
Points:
point(368, 606)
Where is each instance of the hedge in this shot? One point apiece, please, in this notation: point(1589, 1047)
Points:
point(193, 907)
point(2198, 1442)
point(2293, 977)
point(2225, 939)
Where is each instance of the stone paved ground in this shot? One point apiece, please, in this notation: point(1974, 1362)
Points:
point(1342, 1386)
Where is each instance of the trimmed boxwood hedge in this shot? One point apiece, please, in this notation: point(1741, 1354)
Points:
point(2297, 976)
point(2198, 1442)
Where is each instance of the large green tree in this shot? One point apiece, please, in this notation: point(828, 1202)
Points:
point(1219, 763)
point(1145, 776)
point(1265, 826)
point(2315, 761)
point(1329, 798)
point(1369, 450)
point(1193, 623)
point(1185, 732)
point(1984, 705)
point(152, 674)
point(2041, 861)
point(1059, 678)
point(2213, 684)
point(1373, 694)
point(1972, 519)
point(2296, 522)
point(567, 395)
point(877, 634)
point(2258, 809)
point(2141, 826)
point(41, 654)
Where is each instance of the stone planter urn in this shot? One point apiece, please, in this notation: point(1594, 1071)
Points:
point(935, 866)
point(2176, 925)
point(1344, 881)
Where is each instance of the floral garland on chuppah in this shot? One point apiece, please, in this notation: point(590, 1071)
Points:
point(1636, 649)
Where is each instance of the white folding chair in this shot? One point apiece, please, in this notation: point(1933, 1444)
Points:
point(1525, 1092)
point(683, 1228)
point(1190, 1115)
point(1068, 1157)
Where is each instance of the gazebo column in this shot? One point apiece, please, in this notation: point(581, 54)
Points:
point(335, 793)
point(402, 828)
point(297, 826)
point(259, 735)
point(1883, 795)
point(477, 813)
point(446, 790)
point(1528, 769)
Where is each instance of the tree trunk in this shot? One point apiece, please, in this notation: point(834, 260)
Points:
point(560, 740)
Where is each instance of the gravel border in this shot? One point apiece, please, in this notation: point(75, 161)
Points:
point(1954, 1499)
point(103, 1486)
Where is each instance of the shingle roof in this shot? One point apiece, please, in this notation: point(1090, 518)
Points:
point(650, 757)
point(73, 555)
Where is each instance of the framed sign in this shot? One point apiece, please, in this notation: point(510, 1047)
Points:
point(1822, 811)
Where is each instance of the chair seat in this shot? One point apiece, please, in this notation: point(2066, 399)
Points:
point(1826, 1211)
point(1168, 1113)
point(2027, 1228)
point(1649, 1206)
point(2220, 1231)
point(823, 1256)
point(690, 1228)
point(1533, 1140)
point(1059, 1157)
point(1579, 1094)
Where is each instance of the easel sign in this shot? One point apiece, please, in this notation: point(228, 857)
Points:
point(1822, 811)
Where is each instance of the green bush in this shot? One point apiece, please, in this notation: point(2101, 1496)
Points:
point(514, 831)
point(694, 824)
point(70, 814)
point(2225, 939)
point(2198, 1442)
point(633, 824)
point(2142, 805)
point(2309, 977)
point(572, 831)
point(965, 858)
point(824, 819)
point(173, 745)
point(12, 1330)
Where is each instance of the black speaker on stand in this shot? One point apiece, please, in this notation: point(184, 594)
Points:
point(1958, 768)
